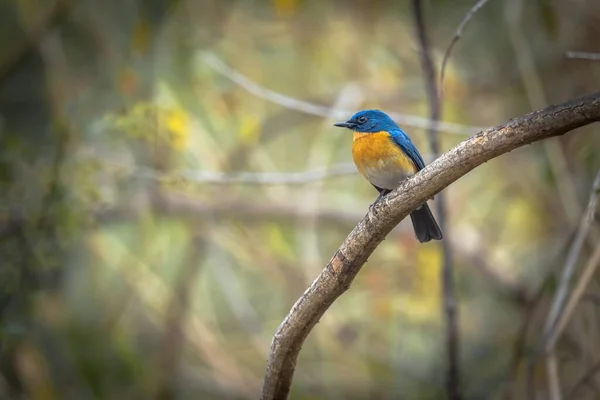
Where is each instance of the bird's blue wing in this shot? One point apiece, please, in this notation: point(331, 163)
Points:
point(406, 145)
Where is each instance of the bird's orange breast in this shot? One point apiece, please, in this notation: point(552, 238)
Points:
point(379, 159)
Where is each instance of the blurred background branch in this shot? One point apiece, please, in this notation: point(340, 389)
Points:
point(583, 55)
point(456, 37)
point(173, 340)
point(568, 270)
point(450, 304)
point(323, 111)
point(559, 314)
point(240, 178)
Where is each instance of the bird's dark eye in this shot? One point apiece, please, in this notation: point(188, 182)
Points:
point(362, 119)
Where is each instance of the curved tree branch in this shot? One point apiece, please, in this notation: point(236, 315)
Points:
point(347, 261)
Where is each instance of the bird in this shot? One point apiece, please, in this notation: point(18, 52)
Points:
point(385, 156)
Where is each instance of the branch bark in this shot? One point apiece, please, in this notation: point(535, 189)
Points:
point(347, 261)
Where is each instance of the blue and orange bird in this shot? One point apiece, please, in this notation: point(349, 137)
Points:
point(385, 155)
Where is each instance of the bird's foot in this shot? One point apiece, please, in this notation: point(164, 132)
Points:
point(371, 209)
point(377, 200)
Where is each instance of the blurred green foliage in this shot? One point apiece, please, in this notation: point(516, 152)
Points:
point(122, 278)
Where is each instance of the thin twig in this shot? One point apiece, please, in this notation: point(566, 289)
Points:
point(457, 35)
point(306, 107)
point(447, 276)
point(531, 304)
point(553, 380)
point(190, 208)
point(581, 55)
point(348, 260)
point(576, 295)
point(174, 336)
point(263, 178)
point(201, 177)
point(530, 387)
point(584, 379)
point(429, 72)
point(567, 272)
point(557, 319)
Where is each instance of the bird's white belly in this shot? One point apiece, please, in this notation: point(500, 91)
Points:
point(386, 178)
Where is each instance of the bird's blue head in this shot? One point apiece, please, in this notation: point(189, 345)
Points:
point(369, 121)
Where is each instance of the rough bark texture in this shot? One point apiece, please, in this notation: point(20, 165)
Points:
point(347, 261)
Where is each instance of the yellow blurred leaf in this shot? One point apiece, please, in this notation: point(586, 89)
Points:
point(140, 36)
point(429, 259)
point(178, 124)
point(285, 8)
point(170, 125)
point(521, 213)
point(423, 302)
point(277, 242)
point(249, 125)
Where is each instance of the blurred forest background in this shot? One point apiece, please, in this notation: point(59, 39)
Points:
point(170, 183)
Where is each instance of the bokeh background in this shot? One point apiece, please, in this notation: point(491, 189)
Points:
point(171, 182)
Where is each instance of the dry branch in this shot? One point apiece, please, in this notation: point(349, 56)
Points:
point(203, 177)
point(581, 55)
point(306, 107)
point(457, 35)
point(347, 261)
point(450, 305)
point(556, 308)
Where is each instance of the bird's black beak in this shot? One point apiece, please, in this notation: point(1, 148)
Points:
point(348, 125)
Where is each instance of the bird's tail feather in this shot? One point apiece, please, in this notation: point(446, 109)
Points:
point(426, 228)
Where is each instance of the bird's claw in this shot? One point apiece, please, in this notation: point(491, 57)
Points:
point(377, 200)
point(372, 208)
